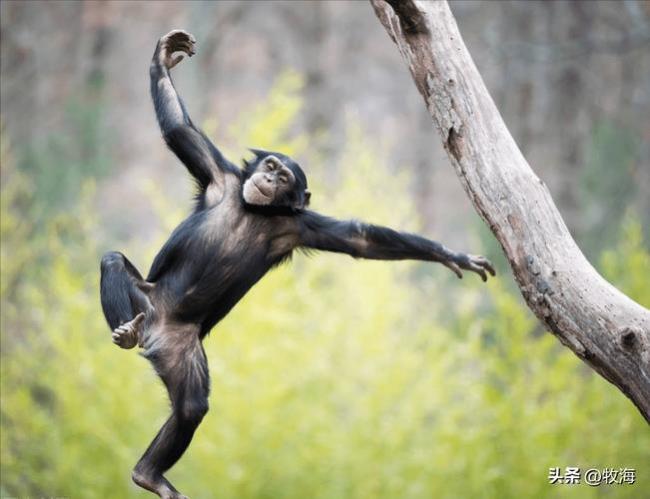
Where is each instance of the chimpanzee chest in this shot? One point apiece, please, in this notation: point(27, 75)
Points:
point(230, 256)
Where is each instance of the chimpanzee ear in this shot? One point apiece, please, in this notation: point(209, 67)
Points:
point(259, 153)
point(302, 202)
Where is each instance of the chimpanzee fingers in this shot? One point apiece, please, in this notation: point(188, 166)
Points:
point(479, 264)
point(176, 60)
point(475, 264)
point(186, 48)
point(118, 340)
point(486, 264)
point(454, 268)
point(184, 36)
point(178, 35)
point(479, 271)
point(138, 320)
point(182, 39)
point(124, 341)
point(125, 336)
point(173, 33)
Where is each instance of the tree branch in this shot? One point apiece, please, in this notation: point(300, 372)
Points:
point(601, 325)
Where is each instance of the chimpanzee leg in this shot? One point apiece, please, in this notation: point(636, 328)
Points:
point(180, 361)
point(123, 300)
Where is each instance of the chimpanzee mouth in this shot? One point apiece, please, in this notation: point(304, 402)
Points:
point(254, 195)
point(261, 192)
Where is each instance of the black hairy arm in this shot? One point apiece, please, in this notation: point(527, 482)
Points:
point(203, 160)
point(363, 240)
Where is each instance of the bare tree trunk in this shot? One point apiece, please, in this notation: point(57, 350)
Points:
point(602, 326)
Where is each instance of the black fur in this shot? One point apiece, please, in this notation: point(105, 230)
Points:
point(211, 261)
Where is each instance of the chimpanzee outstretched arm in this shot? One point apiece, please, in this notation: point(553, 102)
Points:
point(362, 240)
point(193, 148)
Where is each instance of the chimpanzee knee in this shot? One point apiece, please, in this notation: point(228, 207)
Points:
point(112, 260)
point(193, 410)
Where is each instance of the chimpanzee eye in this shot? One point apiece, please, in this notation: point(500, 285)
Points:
point(284, 179)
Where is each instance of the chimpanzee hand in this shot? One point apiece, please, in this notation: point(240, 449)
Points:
point(177, 40)
point(473, 263)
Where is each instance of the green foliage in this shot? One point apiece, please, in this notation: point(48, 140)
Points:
point(628, 265)
point(16, 197)
point(59, 163)
point(332, 379)
point(607, 184)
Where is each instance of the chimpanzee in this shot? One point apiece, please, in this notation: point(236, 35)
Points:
point(244, 223)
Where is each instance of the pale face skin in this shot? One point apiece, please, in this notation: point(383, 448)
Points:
point(271, 181)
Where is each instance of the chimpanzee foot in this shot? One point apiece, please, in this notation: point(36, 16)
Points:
point(127, 335)
point(473, 263)
point(156, 484)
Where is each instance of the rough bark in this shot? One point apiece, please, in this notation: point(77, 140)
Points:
point(602, 326)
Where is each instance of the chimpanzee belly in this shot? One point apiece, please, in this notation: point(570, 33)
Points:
point(217, 291)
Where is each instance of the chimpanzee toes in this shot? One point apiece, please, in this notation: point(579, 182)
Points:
point(137, 322)
point(126, 335)
point(156, 483)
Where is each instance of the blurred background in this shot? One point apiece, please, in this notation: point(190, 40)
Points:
point(359, 379)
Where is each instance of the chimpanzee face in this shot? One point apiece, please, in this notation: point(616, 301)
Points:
point(275, 180)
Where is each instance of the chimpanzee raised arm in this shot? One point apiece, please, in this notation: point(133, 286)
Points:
point(203, 160)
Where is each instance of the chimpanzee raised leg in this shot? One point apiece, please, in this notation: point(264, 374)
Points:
point(179, 359)
point(124, 298)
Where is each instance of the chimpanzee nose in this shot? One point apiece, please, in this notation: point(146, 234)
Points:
point(269, 178)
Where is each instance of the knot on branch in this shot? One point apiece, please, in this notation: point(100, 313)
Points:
point(410, 18)
point(454, 144)
point(633, 339)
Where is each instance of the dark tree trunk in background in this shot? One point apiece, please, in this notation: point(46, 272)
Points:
point(601, 325)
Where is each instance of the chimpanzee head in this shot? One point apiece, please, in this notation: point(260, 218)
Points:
point(273, 179)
